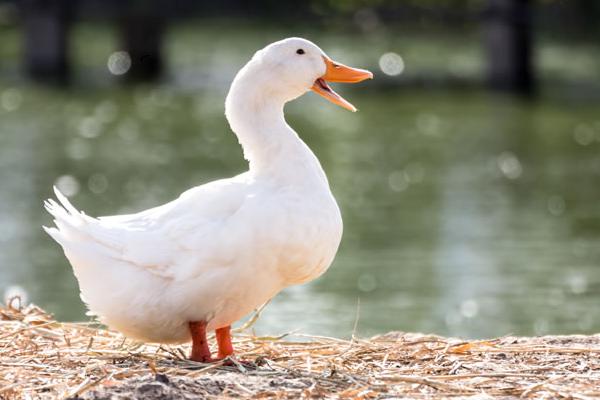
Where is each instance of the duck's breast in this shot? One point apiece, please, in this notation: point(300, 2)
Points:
point(305, 226)
point(292, 239)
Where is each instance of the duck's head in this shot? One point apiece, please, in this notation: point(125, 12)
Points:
point(291, 67)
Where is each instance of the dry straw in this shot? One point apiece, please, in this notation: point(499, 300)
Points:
point(43, 358)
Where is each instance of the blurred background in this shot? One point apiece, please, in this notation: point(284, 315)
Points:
point(469, 181)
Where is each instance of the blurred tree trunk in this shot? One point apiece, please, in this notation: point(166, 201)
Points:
point(46, 27)
point(141, 28)
point(508, 45)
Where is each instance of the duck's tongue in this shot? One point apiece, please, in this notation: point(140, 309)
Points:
point(336, 72)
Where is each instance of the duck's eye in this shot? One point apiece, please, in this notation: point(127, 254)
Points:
point(300, 51)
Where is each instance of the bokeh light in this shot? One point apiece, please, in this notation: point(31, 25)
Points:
point(367, 282)
point(89, 127)
point(11, 99)
point(391, 64)
point(509, 165)
point(398, 181)
point(98, 183)
point(584, 134)
point(68, 185)
point(16, 296)
point(119, 62)
point(469, 308)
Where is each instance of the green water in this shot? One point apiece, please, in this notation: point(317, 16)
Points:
point(465, 213)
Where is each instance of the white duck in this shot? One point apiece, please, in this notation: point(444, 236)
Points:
point(206, 259)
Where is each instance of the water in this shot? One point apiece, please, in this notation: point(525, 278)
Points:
point(465, 213)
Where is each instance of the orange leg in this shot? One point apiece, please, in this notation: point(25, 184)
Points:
point(224, 341)
point(200, 349)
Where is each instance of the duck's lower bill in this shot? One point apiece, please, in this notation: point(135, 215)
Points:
point(336, 72)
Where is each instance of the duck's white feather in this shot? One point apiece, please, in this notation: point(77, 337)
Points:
point(220, 249)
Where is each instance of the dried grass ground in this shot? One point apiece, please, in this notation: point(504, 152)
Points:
point(43, 358)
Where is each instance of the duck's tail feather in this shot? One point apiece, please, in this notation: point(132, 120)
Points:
point(74, 226)
point(91, 241)
point(66, 218)
point(70, 222)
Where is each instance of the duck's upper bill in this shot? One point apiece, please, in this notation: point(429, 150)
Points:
point(336, 72)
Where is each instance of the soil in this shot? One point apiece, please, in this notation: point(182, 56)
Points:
point(220, 384)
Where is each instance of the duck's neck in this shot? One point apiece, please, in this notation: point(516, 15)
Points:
point(270, 145)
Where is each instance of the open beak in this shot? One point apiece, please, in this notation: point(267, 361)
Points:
point(339, 73)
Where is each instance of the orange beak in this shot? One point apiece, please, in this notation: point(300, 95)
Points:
point(339, 73)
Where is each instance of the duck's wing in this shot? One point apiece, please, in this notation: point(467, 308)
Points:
point(164, 241)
